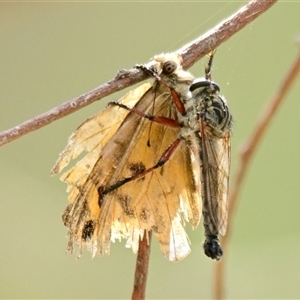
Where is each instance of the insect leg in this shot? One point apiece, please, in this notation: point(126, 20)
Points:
point(209, 65)
point(163, 159)
point(157, 119)
point(168, 68)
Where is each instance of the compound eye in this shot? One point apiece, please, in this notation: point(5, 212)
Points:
point(202, 83)
point(169, 67)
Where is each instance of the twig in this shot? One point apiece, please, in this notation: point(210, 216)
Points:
point(125, 78)
point(222, 32)
point(246, 154)
point(141, 268)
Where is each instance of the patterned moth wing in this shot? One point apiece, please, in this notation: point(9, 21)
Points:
point(108, 201)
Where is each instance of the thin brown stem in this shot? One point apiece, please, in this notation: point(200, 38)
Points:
point(246, 155)
point(141, 268)
point(222, 32)
point(125, 78)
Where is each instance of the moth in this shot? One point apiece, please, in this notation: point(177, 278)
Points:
point(156, 158)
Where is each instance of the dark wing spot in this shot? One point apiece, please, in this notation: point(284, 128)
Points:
point(125, 203)
point(137, 168)
point(155, 229)
point(144, 215)
point(161, 172)
point(66, 215)
point(88, 230)
point(160, 225)
point(100, 196)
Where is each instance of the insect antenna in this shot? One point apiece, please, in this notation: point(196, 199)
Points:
point(209, 65)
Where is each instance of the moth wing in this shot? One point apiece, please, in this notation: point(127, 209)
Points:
point(159, 201)
point(94, 133)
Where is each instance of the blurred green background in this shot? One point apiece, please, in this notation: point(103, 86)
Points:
point(52, 52)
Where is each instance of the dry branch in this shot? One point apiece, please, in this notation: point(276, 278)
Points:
point(141, 268)
point(125, 78)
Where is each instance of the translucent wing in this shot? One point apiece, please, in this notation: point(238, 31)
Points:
point(215, 181)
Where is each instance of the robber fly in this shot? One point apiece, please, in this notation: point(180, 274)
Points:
point(212, 122)
point(152, 156)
